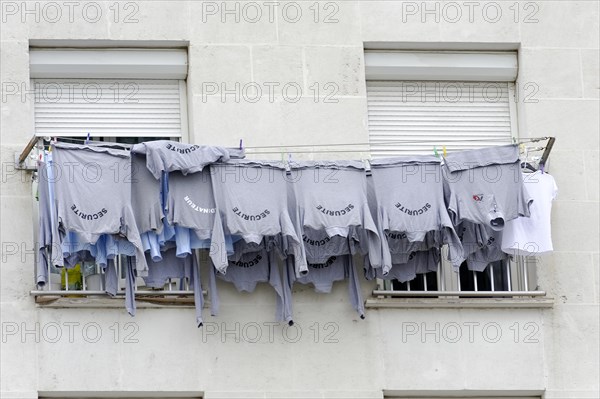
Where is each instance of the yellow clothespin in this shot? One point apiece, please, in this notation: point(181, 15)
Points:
point(444, 151)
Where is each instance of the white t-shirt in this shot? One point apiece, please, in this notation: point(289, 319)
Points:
point(532, 236)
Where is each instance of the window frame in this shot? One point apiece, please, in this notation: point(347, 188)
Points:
point(171, 64)
point(441, 66)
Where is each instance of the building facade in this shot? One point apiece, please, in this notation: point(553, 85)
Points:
point(294, 73)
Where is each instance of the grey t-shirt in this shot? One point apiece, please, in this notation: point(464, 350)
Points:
point(145, 196)
point(191, 202)
point(337, 268)
point(485, 186)
point(418, 262)
point(169, 156)
point(245, 273)
point(251, 200)
point(482, 245)
point(320, 247)
point(411, 209)
point(93, 195)
point(331, 197)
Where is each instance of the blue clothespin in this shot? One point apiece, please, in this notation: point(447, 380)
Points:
point(87, 140)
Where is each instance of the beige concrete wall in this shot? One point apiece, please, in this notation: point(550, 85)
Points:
point(401, 350)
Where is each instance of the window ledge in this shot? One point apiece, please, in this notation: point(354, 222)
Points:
point(404, 303)
point(81, 299)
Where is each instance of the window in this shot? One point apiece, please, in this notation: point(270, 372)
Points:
point(420, 102)
point(113, 95)
point(109, 93)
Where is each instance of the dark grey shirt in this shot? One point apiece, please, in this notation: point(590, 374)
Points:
point(323, 275)
point(245, 273)
point(418, 262)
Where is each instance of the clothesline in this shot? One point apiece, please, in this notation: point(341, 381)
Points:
point(283, 146)
point(292, 149)
point(420, 141)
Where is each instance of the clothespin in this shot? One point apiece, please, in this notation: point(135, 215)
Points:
point(241, 144)
point(444, 151)
point(514, 139)
point(435, 151)
point(52, 142)
point(87, 139)
point(367, 166)
point(288, 168)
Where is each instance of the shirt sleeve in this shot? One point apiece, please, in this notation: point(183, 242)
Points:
point(354, 290)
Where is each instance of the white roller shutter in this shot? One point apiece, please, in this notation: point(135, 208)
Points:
point(110, 107)
point(411, 117)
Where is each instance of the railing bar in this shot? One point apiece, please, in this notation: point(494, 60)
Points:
point(440, 276)
point(408, 285)
point(525, 275)
point(82, 267)
point(48, 265)
point(85, 293)
point(475, 285)
point(491, 270)
point(100, 271)
point(66, 278)
point(119, 274)
point(458, 280)
point(520, 273)
point(509, 274)
point(424, 281)
point(462, 293)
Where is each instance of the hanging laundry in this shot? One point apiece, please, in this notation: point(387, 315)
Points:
point(191, 203)
point(485, 186)
point(409, 203)
point(145, 196)
point(44, 242)
point(94, 197)
point(331, 201)
point(170, 156)
point(322, 276)
point(252, 202)
point(532, 236)
point(418, 262)
point(251, 268)
point(320, 247)
point(481, 245)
